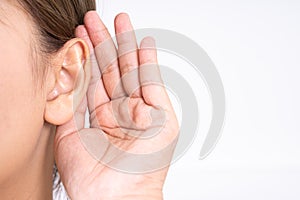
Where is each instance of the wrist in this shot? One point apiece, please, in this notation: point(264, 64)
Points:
point(153, 196)
point(137, 194)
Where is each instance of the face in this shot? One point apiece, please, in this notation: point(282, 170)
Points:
point(21, 102)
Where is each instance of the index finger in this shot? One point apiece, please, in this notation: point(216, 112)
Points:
point(106, 54)
point(96, 95)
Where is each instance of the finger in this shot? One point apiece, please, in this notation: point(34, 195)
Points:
point(82, 33)
point(128, 55)
point(96, 95)
point(153, 89)
point(106, 54)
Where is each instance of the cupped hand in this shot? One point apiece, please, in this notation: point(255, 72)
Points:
point(126, 152)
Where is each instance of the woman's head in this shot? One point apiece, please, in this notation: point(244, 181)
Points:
point(54, 22)
point(43, 67)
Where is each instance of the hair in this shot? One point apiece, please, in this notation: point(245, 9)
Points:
point(56, 20)
point(54, 24)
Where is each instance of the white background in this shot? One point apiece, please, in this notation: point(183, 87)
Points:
point(255, 46)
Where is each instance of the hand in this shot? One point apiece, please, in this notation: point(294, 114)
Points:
point(126, 152)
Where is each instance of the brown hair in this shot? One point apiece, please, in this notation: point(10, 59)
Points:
point(56, 20)
point(54, 24)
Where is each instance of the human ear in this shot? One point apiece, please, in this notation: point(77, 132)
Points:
point(72, 72)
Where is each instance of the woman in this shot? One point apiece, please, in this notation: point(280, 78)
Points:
point(57, 60)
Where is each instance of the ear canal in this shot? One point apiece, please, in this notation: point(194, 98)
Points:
point(53, 95)
point(65, 85)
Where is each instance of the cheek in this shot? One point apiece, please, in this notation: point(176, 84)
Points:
point(21, 109)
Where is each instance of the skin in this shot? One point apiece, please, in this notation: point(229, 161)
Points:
point(25, 139)
point(28, 113)
point(29, 139)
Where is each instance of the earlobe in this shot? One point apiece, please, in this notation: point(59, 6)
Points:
point(72, 75)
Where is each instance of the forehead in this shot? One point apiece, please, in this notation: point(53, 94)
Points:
point(13, 18)
point(2, 11)
point(15, 28)
point(6, 9)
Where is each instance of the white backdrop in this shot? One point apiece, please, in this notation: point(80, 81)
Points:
point(255, 46)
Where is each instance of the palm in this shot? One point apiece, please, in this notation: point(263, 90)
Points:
point(128, 117)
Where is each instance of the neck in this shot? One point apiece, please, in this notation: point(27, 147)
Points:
point(35, 179)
